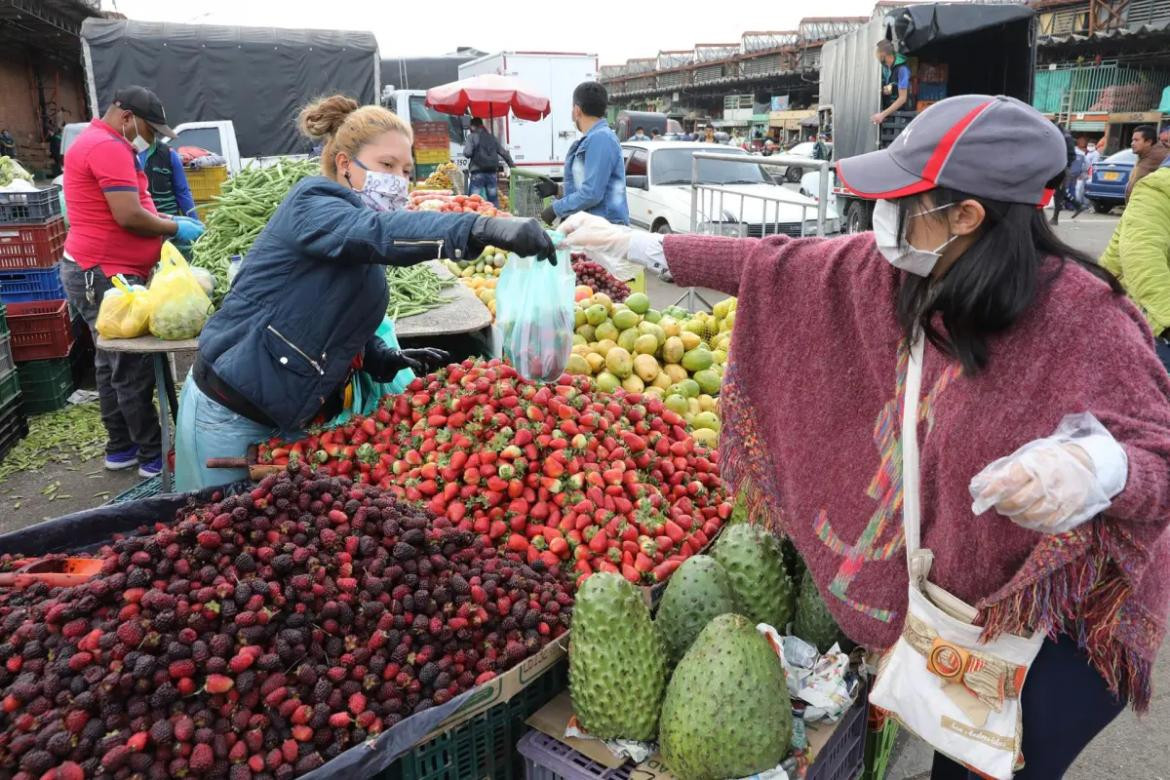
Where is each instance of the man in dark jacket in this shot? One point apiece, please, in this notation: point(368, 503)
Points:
point(484, 153)
point(1061, 193)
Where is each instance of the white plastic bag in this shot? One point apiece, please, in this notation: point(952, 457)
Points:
point(534, 315)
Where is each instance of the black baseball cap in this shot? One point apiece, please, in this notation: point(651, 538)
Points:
point(145, 105)
point(990, 146)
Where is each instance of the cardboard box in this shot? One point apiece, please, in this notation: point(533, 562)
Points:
point(554, 717)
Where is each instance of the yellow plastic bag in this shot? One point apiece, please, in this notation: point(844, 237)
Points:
point(125, 311)
point(180, 306)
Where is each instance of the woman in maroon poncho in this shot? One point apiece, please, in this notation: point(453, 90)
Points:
point(1022, 331)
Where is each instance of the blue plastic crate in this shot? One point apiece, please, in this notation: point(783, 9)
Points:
point(33, 284)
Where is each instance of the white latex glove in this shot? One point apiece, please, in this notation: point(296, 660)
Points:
point(1054, 484)
point(597, 236)
point(589, 232)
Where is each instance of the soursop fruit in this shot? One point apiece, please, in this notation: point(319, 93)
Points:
point(814, 623)
point(726, 712)
point(755, 565)
point(617, 663)
point(697, 592)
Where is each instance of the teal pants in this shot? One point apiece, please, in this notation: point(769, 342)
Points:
point(208, 429)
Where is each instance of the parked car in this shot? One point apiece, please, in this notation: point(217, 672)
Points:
point(792, 173)
point(658, 192)
point(1108, 180)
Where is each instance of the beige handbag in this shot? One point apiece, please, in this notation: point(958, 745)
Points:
point(960, 695)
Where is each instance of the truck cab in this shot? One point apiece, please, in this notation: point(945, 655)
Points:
point(438, 137)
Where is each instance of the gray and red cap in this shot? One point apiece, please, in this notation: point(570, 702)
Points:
point(993, 147)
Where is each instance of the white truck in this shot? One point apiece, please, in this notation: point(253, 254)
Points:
point(539, 147)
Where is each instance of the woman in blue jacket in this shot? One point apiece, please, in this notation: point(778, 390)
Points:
point(302, 314)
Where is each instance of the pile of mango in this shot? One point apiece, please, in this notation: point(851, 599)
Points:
point(673, 354)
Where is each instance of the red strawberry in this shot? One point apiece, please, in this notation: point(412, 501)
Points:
point(180, 669)
point(116, 757)
point(302, 733)
point(289, 750)
point(130, 634)
point(357, 703)
point(339, 720)
point(209, 540)
point(138, 741)
point(241, 661)
point(218, 683)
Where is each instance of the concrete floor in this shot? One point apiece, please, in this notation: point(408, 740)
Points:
point(1130, 748)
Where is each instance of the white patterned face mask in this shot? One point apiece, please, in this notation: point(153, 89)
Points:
point(896, 249)
point(383, 191)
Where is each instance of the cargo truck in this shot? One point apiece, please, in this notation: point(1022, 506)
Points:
point(953, 49)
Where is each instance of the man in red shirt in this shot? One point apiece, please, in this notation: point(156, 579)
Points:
point(114, 228)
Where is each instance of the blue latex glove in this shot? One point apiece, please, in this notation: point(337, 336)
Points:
point(189, 229)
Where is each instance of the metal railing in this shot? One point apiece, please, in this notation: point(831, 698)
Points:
point(714, 206)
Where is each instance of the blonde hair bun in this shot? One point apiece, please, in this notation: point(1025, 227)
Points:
point(323, 118)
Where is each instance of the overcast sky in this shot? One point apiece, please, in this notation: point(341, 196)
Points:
point(615, 31)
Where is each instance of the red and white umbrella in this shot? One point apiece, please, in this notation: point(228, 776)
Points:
point(489, 96)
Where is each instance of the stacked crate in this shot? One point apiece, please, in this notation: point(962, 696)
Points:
point(206, 184)
point(40, 331)
point(13, 423)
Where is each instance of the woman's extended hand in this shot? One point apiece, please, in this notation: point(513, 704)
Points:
point(525, 237)
point(592, 233)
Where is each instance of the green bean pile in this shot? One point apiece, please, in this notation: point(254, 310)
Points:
point(415, 290)
point(248, 201)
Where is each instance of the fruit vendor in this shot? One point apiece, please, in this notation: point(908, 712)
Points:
point(114, 228)
point(1021, 331)
point(302, 314)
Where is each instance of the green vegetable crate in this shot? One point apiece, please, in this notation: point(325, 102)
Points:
point(13, 425)
point(485, 746)
point(46, 384)
point(4, 331)
point(879, 745)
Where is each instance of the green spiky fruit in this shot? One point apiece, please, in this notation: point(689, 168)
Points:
point(755, 565)
point(699, 591)
point(617, 664)
point(726, 712)
point(814, 623)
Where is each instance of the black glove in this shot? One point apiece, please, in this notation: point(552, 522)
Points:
point(383, 362)
point(548, 216)
point(525, 237)
point(547, 188)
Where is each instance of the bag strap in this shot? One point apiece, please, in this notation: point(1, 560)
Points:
point(911, 468)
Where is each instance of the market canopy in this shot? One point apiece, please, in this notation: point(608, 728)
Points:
point(489, 96)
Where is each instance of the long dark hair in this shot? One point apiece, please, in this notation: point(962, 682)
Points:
point(993, 283)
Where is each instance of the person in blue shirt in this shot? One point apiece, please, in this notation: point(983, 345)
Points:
point(595, 174)
point(166, 180)
point(895, 82)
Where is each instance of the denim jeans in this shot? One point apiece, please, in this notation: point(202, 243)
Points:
point(484, 184)
point(208, 429)
point(125, 381)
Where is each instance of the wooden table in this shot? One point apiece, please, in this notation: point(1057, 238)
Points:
point(464, 314)
point(168, 402)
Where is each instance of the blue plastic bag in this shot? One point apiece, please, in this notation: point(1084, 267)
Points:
point(534, 315)
point(364, 391)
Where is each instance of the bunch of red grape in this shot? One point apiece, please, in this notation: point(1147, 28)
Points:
point(595, 276)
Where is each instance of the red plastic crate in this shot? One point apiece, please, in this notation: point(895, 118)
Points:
point(41, 330)
point(32, 246)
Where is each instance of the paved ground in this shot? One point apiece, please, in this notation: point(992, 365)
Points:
point(1129, 748)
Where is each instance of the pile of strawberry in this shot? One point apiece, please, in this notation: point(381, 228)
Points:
point(260, 636)
point(596, 277)
point(563, 474)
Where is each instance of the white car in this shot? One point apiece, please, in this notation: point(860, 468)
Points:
point(738, 199)
point(794, 174)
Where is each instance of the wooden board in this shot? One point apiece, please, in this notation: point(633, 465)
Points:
point(147, 344)
point(464, 314)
